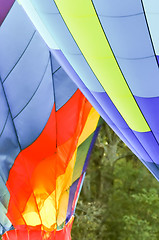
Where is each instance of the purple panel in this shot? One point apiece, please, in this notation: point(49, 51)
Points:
point(71, 198)
point(137, 144)
point(156, 134)
point(125, 140)
point(104, 106)
point(110, 109)
point(153, 168)
point(157, 59)
point(150, 143)
point(150, 109)
point(117, 123)
point(5, 6)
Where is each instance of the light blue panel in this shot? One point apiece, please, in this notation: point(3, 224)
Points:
point(9, 149)
point(5, 223)
point(54, 64)
point(152, 14)
point(4, 194)
point(60, 33)
point(118, 7)
point(22, 82)
point(142, 76)
point(131, 44)
point(54, 22)
point(45, 6)
point(128, 36)
point(15, 34)
point(84, 72)
point(33, 118)
point(4, 111)
point(64, 87)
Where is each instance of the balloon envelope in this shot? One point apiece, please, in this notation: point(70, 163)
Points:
point(46, 134)
point(111, 50)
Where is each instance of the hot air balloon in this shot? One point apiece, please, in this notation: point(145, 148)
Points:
point(47, 130)
point(110, 49)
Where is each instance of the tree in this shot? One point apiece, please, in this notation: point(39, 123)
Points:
point(119, 200)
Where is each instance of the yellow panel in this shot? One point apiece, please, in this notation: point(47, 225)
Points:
point(90, 125)
point(62, 211)
point(32, 218)
point(64, 181)
point(83, 23)
point(48, 212)
point(31, 213)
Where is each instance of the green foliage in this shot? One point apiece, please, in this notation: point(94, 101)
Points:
point(120, 198)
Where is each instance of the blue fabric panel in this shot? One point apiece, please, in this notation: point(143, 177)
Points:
point(150, 110)
point(130, 41)
point(152, 14)
point(80, 188)
point(4, 221)
point(142, 76)
point(45, 6)
point(117, 7)
point(153, 168)
point(4, 194)
point(156, 134)
point(4, 111)
point(59, 31)
point(4, 200)
point(9, 149)
point(94, 101)
point(90, 149)
point(54, 64)
point(64, 87)
point(15, 34)
point(117, 120)
point(74, 77)
point(23, 81)
point(110, 109)
point(71, 198)
point(33, 118)
point(128, 36)
point(137, 144)
point(85, 73)
point(54, 23)
point(58, 24)
point(150, 143)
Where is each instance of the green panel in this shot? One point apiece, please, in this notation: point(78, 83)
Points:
point(82, 21)
point(81, 157)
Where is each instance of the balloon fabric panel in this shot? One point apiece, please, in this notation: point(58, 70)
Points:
point(112, 55)
point(122, 36)
point(44, 122)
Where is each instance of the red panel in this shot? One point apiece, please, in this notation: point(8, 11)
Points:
point(37, 167)
point(29, 234)
point(69, 116)
point(20, 178)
